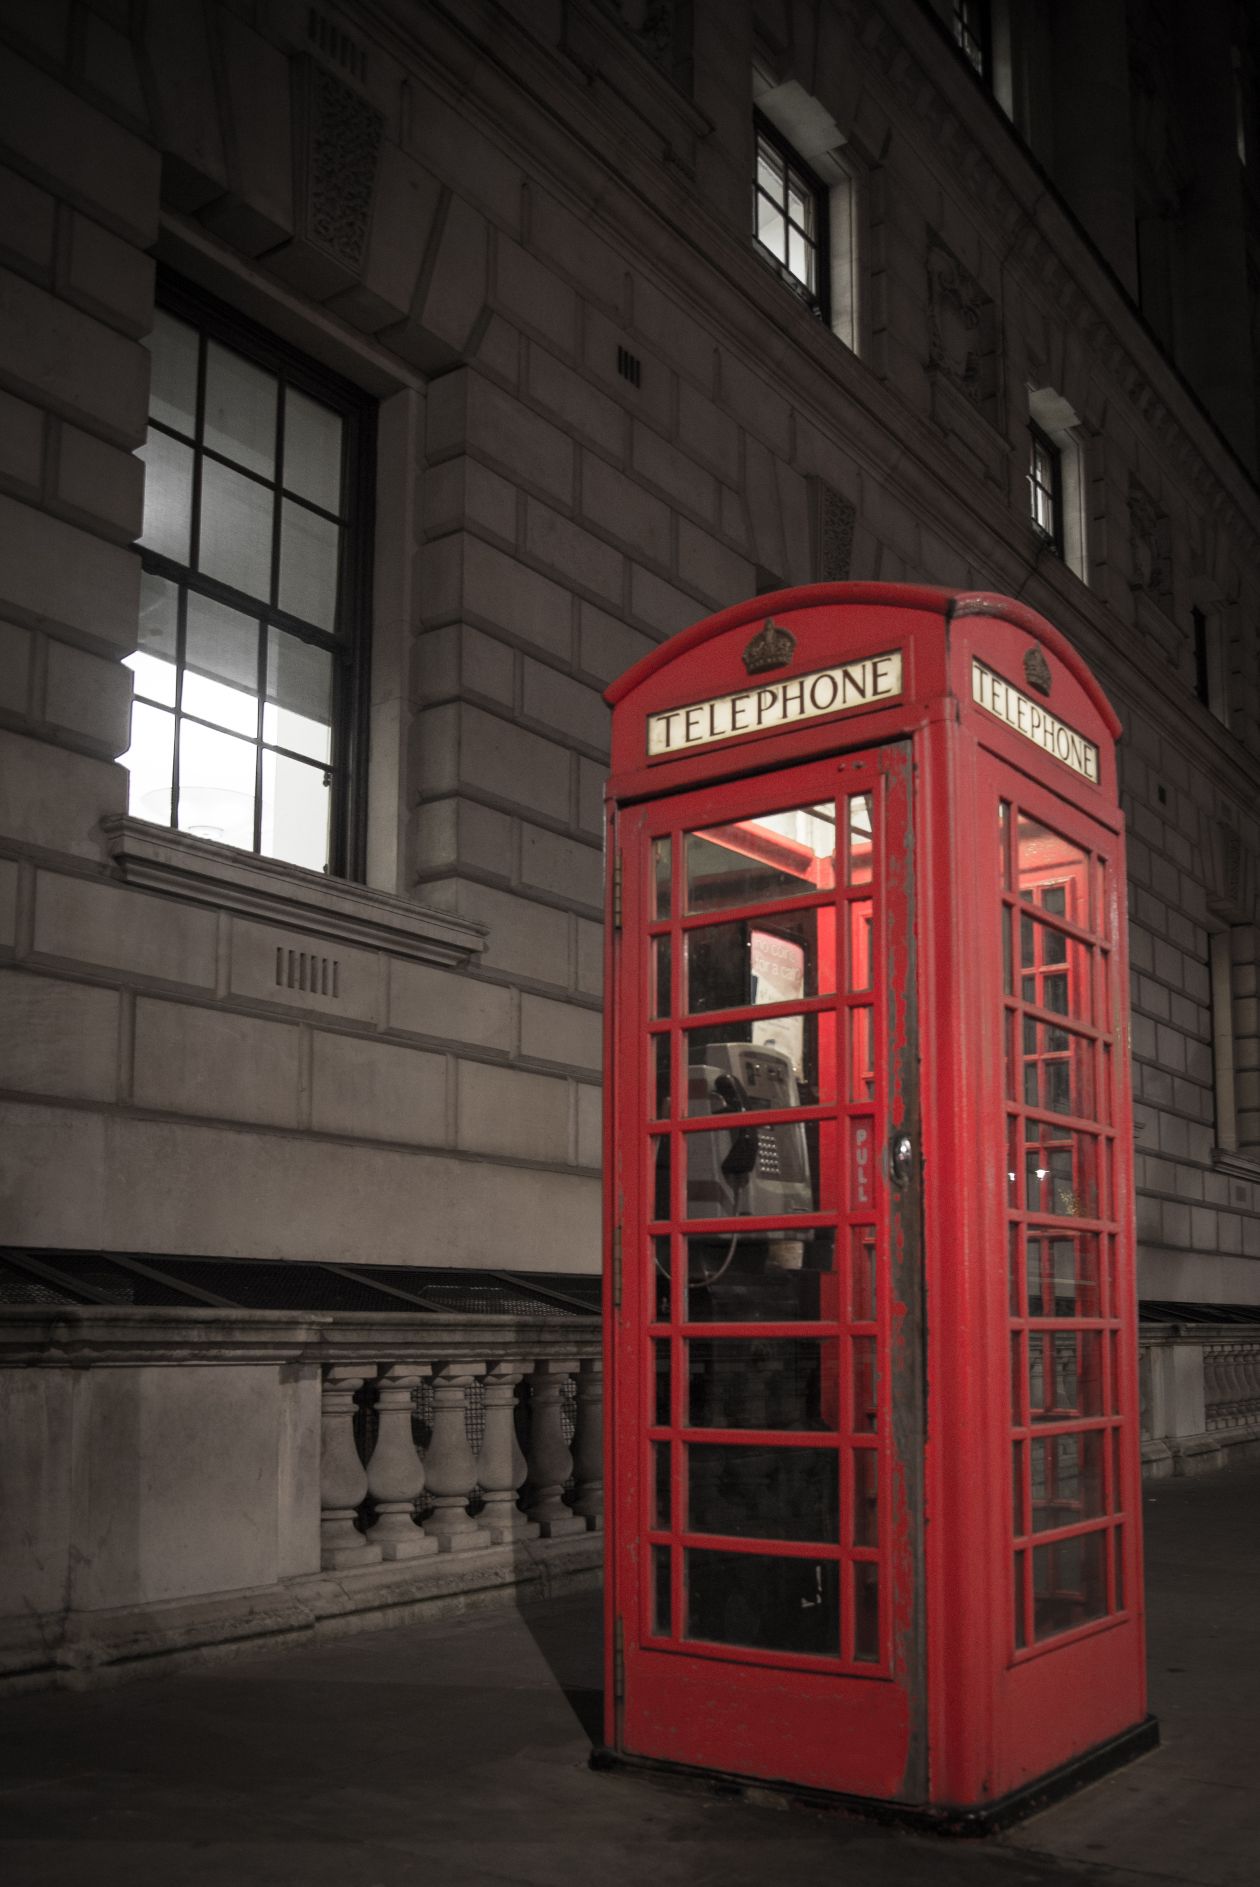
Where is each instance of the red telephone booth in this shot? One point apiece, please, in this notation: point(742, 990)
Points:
point(873, 1523)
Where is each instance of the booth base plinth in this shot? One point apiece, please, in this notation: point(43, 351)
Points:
point(986, 1818)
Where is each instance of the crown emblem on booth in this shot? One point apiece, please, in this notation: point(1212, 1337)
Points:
point(1037, 671)
point(771, 647)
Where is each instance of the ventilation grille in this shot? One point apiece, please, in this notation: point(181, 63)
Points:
point(629, 366)
point(336, 45)
point(303, 969)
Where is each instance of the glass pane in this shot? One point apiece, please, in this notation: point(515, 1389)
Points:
point(1055, 970)
point(240, 410)
point(312, 450)
point(799, 257)
point(861, 1053)
point(173, 373)
point(1051, 871)
point(221, 677)
point(1060, 1171)
point(662, 1596)
point(1018, 1520)
point(860, 842)
point(783, 855)
point(769, 168)
point(763, 1277)
point(662, 959)
point(660, 1484)
point(1069, 1584)
point(659, 1052)
point(308, 565)
point(760, 1382)
point(756, 1492)
point(154, 678)
point(235, 543)
point(866, 1613)
point(296, 803)
point(865, 1497)
point(1067, 1480)
point(798, 204)
point(774, 1063)
point(865, 1386)
point(1004, 843)
point(771, 228)
point(216, 785)
point(662, 1271)
point(1058, 1069)
point(1064, 1375)
point(1063, 1275)
point(661, 1415)
point(752, 1172)
point(153, 664)
point(662, 1168)
point(168, 468)
point(757, 960)
point(298, 709)
point(861, 945)
point(150, 760)
point(662, 853)
point(767, 1604)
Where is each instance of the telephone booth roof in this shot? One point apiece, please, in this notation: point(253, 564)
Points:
point(715, 700)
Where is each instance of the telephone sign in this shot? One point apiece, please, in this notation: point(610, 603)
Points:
point(869, 1210)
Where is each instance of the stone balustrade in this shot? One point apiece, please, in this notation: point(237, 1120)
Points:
point(175, 1480)
point(1200, 1392)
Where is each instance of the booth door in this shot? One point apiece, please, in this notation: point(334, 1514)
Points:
point(768, 1379)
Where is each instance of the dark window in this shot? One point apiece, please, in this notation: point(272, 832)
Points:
point(971, 33)
point(1045, 487)
point(250, 667)
point(1202, 684)
point(790, 219)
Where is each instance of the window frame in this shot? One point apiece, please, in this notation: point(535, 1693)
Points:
point(1040, 440)
point(819, 300)
point(971, 23)
point(348, 643)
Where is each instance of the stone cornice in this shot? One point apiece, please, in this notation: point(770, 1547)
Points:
point(202, 872)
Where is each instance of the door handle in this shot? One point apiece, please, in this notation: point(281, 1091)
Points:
point(900, 1160)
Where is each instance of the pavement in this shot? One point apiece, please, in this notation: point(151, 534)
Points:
point(456, 1752)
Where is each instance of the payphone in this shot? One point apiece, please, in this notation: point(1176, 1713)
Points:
point(869, 1210)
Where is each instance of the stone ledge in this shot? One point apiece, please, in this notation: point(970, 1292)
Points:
point(154, 858)
point(82, 1650)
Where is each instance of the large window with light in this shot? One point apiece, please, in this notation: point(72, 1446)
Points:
point(790, 219)
point(249, 669)
point(1045, 487)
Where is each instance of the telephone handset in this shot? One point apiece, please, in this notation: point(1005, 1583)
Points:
point(761, 1171)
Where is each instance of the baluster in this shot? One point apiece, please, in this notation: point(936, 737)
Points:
point(342, 1479)
point(1251, 1378)
point(550, 1463)
point(450, 1466)
point(588, 1443)
point(395, 1476)
point(1213, 1391)
point(501, 1465)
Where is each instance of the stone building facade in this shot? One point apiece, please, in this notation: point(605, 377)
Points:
point(992, 322)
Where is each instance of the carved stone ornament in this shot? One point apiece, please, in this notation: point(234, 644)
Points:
point(955, 320)
point(1037, 670)
point(771, 647)
point(834, 520)
point(1149, 545)
point(344, 137)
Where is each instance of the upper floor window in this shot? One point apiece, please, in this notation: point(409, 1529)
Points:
point(973, 35)
point(250, 666)
point(1045, 487)
point(790, 218)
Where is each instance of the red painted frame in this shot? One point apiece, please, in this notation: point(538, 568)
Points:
point(985, 1718)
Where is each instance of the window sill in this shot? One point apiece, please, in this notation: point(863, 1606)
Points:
point(153, 858)
point(1241, 1165)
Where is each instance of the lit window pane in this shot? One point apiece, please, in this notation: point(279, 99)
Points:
point(154, 677)
point(159, 607)
point(173, 374)
point(221, 643)
point(298, 710)
point(216, 785)
point(150, 760)
point(799, 205)
point(295, 811)
point(167, 496)
point(799, 258)
point(771, 228)
point(240, 411)
point(235, 530)
point(308, 566)
point(769, 169)
point(312, 450)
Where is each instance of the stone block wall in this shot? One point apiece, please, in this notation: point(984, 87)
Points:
point(601, 417)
